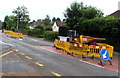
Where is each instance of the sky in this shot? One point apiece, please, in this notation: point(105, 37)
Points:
point(38, 9)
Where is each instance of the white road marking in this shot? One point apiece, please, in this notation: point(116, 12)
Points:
point(6, 43)
point(49, 50)
point(20, 39)
point(33, 40)
point(91, 63)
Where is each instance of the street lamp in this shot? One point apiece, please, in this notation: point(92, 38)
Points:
point(17, 23)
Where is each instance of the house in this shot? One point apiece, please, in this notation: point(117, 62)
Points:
point(116, 14)
point(57, 24)
point(33, 25)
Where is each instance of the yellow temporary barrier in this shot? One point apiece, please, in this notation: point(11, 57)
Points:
point(12, 34)
point(7, 31)
point(83, 46)
point(16, 35)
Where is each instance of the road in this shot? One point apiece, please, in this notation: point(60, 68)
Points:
point(23, 57)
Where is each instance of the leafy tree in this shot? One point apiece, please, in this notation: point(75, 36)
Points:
point(5, 25)
point(54, 19)
point(47, 20)
point(58, 19)
point(72, 14)
point(32, 22)
point(47, 28)
point(39, 27)
point(77, 11)
point(22, 16)
point(9, 22)
point(64, 20)
point(90, 12)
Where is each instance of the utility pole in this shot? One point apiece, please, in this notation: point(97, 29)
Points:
point(17, 23)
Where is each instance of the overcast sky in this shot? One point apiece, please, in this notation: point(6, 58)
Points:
point(38, 9)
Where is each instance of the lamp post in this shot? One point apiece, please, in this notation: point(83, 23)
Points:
point(17, 23)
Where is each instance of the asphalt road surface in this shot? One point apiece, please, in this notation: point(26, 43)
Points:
point(22, 57)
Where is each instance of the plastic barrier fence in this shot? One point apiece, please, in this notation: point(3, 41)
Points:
point(12, 34)
point(83, 49)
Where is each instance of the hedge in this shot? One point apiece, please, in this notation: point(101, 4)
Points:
point(108, 28)
point(36, 33)
point(50, 35)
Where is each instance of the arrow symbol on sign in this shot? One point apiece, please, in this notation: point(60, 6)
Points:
point(104, 55)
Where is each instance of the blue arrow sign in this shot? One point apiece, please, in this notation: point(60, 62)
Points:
point(104, 54)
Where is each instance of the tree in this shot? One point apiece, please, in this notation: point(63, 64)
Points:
point(90, 12)
point(72, 14)
point(32, 22)
point(58, 19)
point(47, 21)
point(9, 22)
point(54, 19)
point(77, 12)
point(22, 16)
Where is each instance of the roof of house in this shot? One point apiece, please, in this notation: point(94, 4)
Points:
point(60, 23)
point(116, 14)
point(36, 23)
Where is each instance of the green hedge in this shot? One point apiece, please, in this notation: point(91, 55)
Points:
point(50, 35)
point(107, 27)
point(36, 33)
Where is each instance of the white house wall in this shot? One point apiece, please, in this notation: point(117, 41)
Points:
point(55, 27)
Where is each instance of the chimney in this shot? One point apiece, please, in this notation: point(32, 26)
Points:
point(119, 5)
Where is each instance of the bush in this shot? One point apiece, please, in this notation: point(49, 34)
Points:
point(50, 35)
point(48, 28)
point(36, 33)
point(107, 27)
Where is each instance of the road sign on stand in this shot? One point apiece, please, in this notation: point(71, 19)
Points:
point(104, 56)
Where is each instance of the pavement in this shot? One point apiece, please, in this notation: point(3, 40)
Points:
point(36, 57)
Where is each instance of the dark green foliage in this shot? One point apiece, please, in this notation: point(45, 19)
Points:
point(38, 31)
point(22, 17)
point(107, 27)
point(47, 20)
point(77, 11)
point(50, 35)
point(9, 23)
point(48, 28)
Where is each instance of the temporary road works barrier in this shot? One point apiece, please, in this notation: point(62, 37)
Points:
point(12, 34)
point(16, 35)
point(84, 45)
point(7, 31)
